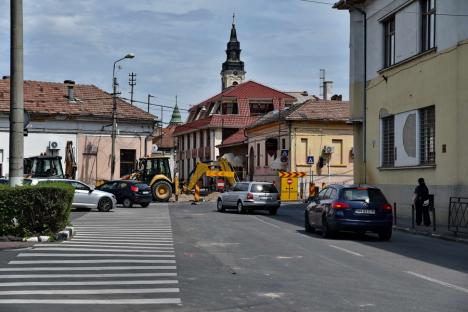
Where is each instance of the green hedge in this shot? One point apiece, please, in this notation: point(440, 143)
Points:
point(35, 210)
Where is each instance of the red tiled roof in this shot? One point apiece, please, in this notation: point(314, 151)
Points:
point(248, 89)
point(321, 110)
point(167, 138)
point(51, 98)
point(194, 125)
point(234, 139)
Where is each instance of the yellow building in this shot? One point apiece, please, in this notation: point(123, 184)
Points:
point(411, 116)
point(285, 141)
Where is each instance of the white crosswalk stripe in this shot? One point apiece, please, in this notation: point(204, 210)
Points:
point(126, 257)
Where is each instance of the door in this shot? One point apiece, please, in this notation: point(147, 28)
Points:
point(83, 196)
point(251, 163)
point(127, 161)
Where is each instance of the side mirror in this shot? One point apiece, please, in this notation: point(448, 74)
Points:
point(90, 190)
point(311, 199)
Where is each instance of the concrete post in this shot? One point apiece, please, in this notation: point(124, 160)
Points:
point(17, 95)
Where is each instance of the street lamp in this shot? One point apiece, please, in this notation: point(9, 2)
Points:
point(114, 109)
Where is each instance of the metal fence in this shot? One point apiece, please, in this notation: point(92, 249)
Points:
point(458, 215)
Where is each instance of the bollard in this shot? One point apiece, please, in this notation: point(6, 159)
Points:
point(412, 217)
point(432, 207)
point(394, 214)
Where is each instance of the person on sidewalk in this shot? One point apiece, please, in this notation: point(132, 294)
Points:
point(421, 203)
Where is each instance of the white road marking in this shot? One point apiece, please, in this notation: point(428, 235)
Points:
point(45, 254)
point(95, 301)
point(82, 245)
point(85, 275)
point(346, 250)
point(90, 291)
point(430, 279)
point(97, 268)
point(108, 248)
point(104, 242)
point(263, 221)
point(88, 283)
point(89, 261)
point(126, 236)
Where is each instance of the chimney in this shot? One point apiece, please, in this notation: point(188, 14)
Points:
point(70, 90)
point(327, 89)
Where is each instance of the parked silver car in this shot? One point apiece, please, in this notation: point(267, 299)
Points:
point(250, 196)
point(85, 195)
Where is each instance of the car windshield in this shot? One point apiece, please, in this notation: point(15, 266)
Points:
point(263, 188)
point(364, 194)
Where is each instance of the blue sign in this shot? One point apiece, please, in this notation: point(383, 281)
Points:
point(284, 155)
point(310, 160)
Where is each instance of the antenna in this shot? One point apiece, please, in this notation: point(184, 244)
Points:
point(132, 83)
point(322, 81)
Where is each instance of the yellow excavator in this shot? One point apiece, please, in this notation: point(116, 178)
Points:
point(156, 172)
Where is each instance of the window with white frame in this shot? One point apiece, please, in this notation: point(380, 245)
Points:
point(389, 41)
point(427, 135)
point(428, 14)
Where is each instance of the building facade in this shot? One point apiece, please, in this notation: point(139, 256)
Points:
point(314, 128)
point(82, 114)
point(408, 78)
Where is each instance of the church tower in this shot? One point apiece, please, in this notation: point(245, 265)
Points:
point(233, 72)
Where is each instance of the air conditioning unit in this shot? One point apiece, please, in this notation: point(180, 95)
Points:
point(54, 145)
point(91, 149)
point(328, 149)
point(154, 149)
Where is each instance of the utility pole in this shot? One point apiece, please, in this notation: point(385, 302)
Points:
point(17, 94)
point(132, 83)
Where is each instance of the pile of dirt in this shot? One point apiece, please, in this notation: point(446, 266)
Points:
point(211, 197)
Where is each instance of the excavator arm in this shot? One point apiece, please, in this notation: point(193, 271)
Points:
point(205, 169)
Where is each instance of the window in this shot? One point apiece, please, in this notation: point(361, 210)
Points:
point(208, 137)
point(271, 149)
point(427, 135)
point(389, 30)
point(230, 108)
point(333, 194)
point(258, 155)
point(182, 169)
point(108, 186)
point(202, 138)
point(194, 140)
point(127, 161)
point(188, 141)
point(428, 13)
point(263, 188)
point(388, 141)
point(260, 107)
point(283, 143)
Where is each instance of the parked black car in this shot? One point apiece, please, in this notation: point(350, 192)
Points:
point(349, 208)
point(129, 192)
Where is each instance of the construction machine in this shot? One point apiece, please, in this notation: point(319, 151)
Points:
point(155, 171)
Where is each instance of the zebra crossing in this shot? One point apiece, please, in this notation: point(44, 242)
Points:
point(124, 257)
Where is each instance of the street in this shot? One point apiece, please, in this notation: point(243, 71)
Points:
point(182, 257)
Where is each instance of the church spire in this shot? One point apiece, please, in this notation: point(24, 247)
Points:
point(176, 118)
point(232, 72)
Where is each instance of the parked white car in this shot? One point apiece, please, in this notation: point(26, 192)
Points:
point(85, 195)
point(250, 196)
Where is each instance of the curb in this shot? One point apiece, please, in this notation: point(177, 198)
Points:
point(430, 234)
point(66, 234)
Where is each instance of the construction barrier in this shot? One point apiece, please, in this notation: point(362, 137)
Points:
point(196, 194)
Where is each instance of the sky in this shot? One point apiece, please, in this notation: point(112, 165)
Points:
point(179, 45)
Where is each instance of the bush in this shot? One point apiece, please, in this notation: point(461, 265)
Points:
point(35, 210)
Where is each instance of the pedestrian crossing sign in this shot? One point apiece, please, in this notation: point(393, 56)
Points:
point(310, 160)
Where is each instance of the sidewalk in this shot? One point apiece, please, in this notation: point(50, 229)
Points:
point(14, 245)
point(404, 224)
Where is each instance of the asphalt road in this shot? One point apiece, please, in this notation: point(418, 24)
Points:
point(245, 262)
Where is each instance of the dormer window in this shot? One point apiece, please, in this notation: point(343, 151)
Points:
point(230, 108)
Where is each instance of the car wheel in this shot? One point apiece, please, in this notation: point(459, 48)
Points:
point(127, 203)
point(162, 191)
point(219, 206)
point(240, 207)
point(105, 204)
point(273, 211)
point(385, 235)
point(307, 226)
point(326, 232)
point(144, 205)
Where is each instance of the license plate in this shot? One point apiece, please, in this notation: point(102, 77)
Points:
point(145, 192)
point(364, 211)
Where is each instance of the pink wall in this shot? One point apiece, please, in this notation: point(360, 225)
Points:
point(94, 166)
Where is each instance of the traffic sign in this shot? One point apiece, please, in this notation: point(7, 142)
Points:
point(290, 181)
point(284, 155)
point(283, 174)
point(310, 160)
